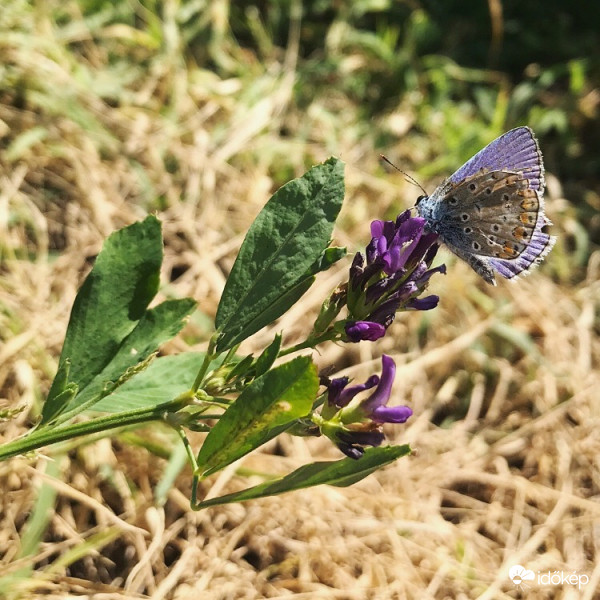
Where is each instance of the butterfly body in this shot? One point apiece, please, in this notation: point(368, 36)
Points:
point(490, 212)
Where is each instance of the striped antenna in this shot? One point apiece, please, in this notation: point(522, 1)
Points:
point(408, 177)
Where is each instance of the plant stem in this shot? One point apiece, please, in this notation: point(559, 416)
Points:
point(208, 357)
point(201, 372)
point(310, 342)
point(194, 464)
point(51, 434)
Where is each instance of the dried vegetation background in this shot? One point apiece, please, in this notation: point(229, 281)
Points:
point(198, 112)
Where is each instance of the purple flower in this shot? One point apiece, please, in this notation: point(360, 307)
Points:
point(364, 330)
point(353, 423)
point(390, 276)
point(393, 243)
point(352, 443)
point(375, 406)
point(338, 395)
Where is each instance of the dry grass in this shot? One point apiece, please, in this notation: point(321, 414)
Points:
point(504, 381)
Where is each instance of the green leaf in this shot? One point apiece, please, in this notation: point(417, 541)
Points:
point(111, 335)
point(62, 392)
point(166, 378)
point(60, 403)
point(265, 361)
point(61, 379)
point(241, 368)
point(278, 397)
point(157, 325)
point(327, 259)
point(340, 473)
point(285, 301)
point(109, 304)
point(285, 241)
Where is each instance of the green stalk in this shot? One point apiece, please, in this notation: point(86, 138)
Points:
point(52, 434)
point(311, 342)
point(208, 357)
point(194, 463)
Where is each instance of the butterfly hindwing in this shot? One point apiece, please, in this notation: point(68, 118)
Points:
point(538, 247)
point(490, 214)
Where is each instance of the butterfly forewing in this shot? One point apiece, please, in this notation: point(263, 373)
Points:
point(516, 151)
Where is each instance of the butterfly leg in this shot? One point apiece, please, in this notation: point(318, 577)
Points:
point(479, 264)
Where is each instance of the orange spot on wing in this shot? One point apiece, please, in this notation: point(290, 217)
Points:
point(520, 233)
point(527, 218)
point(530, 200)
point(508, 252)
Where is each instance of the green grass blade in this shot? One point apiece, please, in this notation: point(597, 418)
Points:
point(177, 462)
point(34, 530)
point(42, 512)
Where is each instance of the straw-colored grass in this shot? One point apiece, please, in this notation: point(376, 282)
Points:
point(104, 120)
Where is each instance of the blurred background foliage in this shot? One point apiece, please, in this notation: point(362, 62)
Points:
point(437, 79)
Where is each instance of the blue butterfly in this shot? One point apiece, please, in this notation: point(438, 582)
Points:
point(490, 212)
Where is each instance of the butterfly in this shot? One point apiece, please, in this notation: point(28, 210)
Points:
point(490, 212)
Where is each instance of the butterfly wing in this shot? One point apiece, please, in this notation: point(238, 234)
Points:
point(538, 247)
point(490, 214)
point(491, 211)
point(517, 150)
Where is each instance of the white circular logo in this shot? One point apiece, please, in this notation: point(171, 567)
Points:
point(519, 575)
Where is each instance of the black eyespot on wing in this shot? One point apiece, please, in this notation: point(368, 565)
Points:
point(465, 217)
point(472, 186)
point(453, 200)
point(476, 246)
point(468, 230)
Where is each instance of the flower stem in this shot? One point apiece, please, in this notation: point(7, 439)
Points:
point(311, 342)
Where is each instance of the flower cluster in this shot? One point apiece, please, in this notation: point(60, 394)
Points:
point(353, 423)
point(391, 277)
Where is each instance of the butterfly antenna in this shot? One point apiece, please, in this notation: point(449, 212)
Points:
point(409, 178)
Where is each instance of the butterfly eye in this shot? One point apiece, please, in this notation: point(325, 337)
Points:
point(422, 197)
